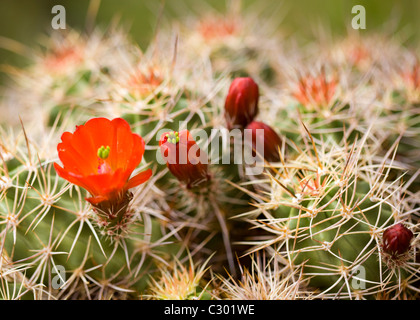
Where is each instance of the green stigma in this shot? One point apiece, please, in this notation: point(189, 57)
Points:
point(172, 137)
point(103, 152)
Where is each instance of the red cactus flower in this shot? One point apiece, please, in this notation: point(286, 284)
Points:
point(241, 105)
point(186, 161)
point(100, 157)
point(269, 140)
point(396, 239)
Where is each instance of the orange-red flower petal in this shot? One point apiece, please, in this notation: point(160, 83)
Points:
point(103, 178)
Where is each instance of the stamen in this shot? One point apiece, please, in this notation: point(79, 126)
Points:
point(103, 152)
point(172, 137)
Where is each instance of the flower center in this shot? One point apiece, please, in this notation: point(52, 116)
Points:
point(172, 137)
point(103, 152)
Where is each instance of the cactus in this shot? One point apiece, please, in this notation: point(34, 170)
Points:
point(327, 213)
point(50, 231)
point(264, 280)
point(179, 282)
point(95, 202)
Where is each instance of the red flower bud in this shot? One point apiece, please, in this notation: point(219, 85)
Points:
point(241, 104)
point(270, 140)
point(396, 240)
point(186, 161)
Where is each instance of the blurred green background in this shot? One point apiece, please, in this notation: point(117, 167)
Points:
point(25, 20)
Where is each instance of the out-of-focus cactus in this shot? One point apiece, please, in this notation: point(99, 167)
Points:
point(105, 214)
point(231, 41)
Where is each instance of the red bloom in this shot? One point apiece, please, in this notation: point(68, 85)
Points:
point(269, 140)
point(396, 239)
point(100, 157)
point(241, 105)
point(186, 161)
